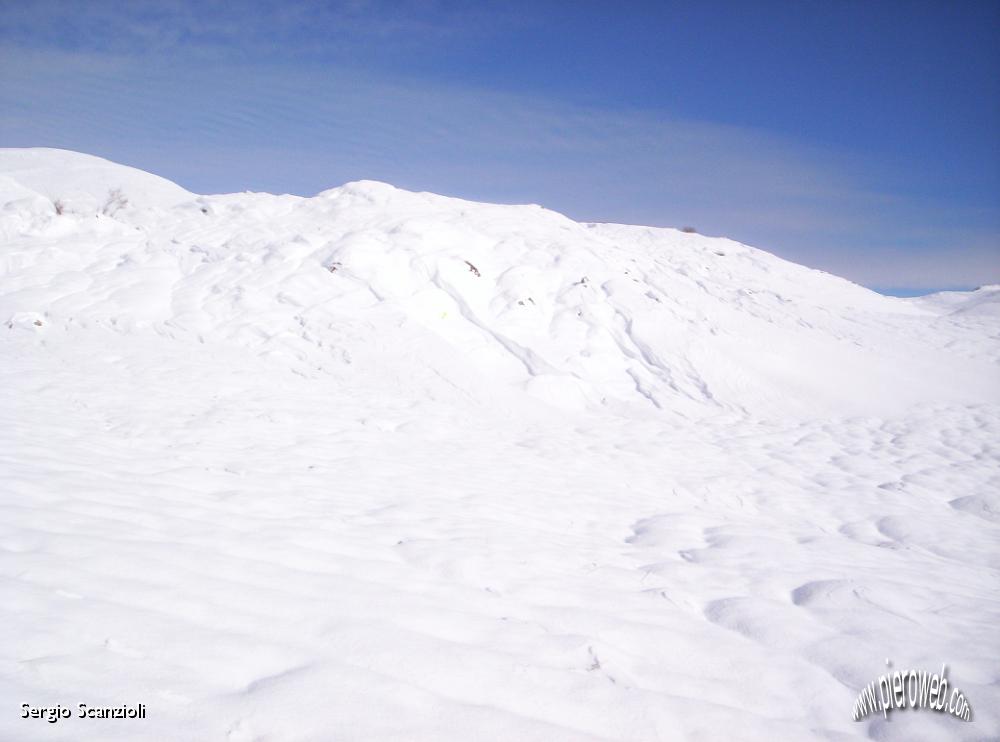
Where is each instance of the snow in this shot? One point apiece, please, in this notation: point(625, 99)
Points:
point(386, 465)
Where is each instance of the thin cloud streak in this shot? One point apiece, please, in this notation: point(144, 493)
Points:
point(241, 29)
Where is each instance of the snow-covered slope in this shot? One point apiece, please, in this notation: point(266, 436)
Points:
point(435, 469)
point(576, 314)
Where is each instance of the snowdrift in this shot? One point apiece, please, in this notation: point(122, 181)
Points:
point(472, 296)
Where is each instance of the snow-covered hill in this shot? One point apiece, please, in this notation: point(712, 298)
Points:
point(471, 295)
point(435, 469)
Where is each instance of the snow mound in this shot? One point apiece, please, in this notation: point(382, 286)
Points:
point(579, 315)
point(984, 301)
point(81, 182)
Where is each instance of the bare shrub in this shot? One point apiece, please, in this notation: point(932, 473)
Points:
point(116, 200)
point(60, 206)
point(689, 230)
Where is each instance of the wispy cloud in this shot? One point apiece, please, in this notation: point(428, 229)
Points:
point(238, 29)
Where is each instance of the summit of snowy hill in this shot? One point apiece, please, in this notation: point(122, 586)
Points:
point(80, 182)
point(485, 299)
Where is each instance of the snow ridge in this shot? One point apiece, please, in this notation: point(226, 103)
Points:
point(576, 314)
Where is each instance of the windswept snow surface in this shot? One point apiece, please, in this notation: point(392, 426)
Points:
point(381, 465)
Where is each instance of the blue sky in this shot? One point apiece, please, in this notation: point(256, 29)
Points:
point(856, 137)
